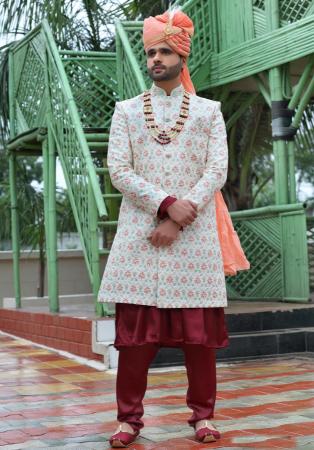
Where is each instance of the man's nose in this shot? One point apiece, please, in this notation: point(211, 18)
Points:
point(157, 57)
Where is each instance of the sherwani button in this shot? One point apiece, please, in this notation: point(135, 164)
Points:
point(168, 155)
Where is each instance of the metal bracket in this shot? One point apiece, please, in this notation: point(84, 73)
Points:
point(281, 121)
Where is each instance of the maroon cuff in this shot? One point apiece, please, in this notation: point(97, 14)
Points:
point(162, 211)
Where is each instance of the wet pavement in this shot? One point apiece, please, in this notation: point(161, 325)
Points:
point(50, 401)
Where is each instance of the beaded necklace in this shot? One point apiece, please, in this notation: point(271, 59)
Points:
point(162, 136)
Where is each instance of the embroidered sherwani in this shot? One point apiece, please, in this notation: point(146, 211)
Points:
point(189, 272)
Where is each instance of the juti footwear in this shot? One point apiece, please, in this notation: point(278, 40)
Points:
point(206, 432)
point(123, 438)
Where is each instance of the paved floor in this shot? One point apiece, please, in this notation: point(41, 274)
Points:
point(49, 401)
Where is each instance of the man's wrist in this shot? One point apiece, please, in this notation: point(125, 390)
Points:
point(176, 223)
point(162, 211)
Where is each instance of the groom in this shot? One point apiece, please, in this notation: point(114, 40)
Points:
point(168, 156)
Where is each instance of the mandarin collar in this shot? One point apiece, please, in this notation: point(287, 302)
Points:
point(158, 91)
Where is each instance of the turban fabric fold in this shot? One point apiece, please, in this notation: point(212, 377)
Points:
point(176, 29)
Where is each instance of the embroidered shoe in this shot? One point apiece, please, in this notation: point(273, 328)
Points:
point(206, 432)
point(123, 438)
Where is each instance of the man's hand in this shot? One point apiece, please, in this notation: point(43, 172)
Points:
point(164, 234)
point(183, 212)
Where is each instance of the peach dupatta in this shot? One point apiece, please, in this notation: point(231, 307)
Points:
point(176, 29)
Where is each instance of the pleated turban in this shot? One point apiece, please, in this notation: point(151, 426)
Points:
point(176, 29)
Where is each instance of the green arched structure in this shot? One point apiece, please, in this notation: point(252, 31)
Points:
point(61, 103)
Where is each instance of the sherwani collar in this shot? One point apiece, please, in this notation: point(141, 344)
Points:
point(159, 92)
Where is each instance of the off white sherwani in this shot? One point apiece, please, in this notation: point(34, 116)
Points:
point(189, 272)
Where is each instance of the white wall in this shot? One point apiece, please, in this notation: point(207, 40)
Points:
point(72, 273)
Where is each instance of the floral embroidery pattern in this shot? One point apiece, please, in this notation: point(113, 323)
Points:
point(189, 273)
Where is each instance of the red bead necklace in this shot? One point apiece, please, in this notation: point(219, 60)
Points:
point(162, 136)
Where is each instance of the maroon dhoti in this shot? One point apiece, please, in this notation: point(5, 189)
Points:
point(142, 330)
point(170, 327)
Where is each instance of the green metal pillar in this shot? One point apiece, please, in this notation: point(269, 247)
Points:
point(13, 194)
point(52, 217)
point(49, 171)
point(95, 263)
point(291, 171)
point(50, 188)
point(275, 86)
point(292, 193)
point(15, 229)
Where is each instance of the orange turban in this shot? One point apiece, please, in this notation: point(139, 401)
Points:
point(176, 29)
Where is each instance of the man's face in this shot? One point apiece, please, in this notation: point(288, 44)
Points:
point(163, 63)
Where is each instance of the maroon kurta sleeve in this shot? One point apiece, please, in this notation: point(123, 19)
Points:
point(162, 211)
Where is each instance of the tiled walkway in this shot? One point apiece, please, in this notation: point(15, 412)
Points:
point(49, 401)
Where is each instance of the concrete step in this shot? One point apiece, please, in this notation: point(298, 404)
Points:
point(288, 317)
point(245, 344)
point(249, 346)
point(43, 302)
point(103, 335)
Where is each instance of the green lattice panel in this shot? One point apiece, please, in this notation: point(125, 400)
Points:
point(70, 151)
point(259, 21)
point(290, 11)
point(200, 13)
point(260, 4)
point(94, 86)
point(130, 85)
point(261, 242)
point(29, 81)
point(135, 37)
point(293, 10)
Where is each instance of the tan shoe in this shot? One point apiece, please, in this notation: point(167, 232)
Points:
point(205, 431)
point(123, 436)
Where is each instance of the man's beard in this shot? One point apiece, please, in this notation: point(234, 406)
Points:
point(169, 73)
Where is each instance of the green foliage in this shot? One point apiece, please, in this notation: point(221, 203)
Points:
point(76, 25)
point(251, 160)
point(4, 97)
point(305, 146)
point(250, 152)
point(138, 10)
point(30, 204)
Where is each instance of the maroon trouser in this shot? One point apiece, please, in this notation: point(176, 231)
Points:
point(131, 383)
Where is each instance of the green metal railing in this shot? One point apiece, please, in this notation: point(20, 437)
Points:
point(27, 80)
point(72, 95)
point(41, 97)
point(93, 80)
point(290, 11)
point(274, 240)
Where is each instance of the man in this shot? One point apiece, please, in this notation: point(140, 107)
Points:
point(168, 156)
